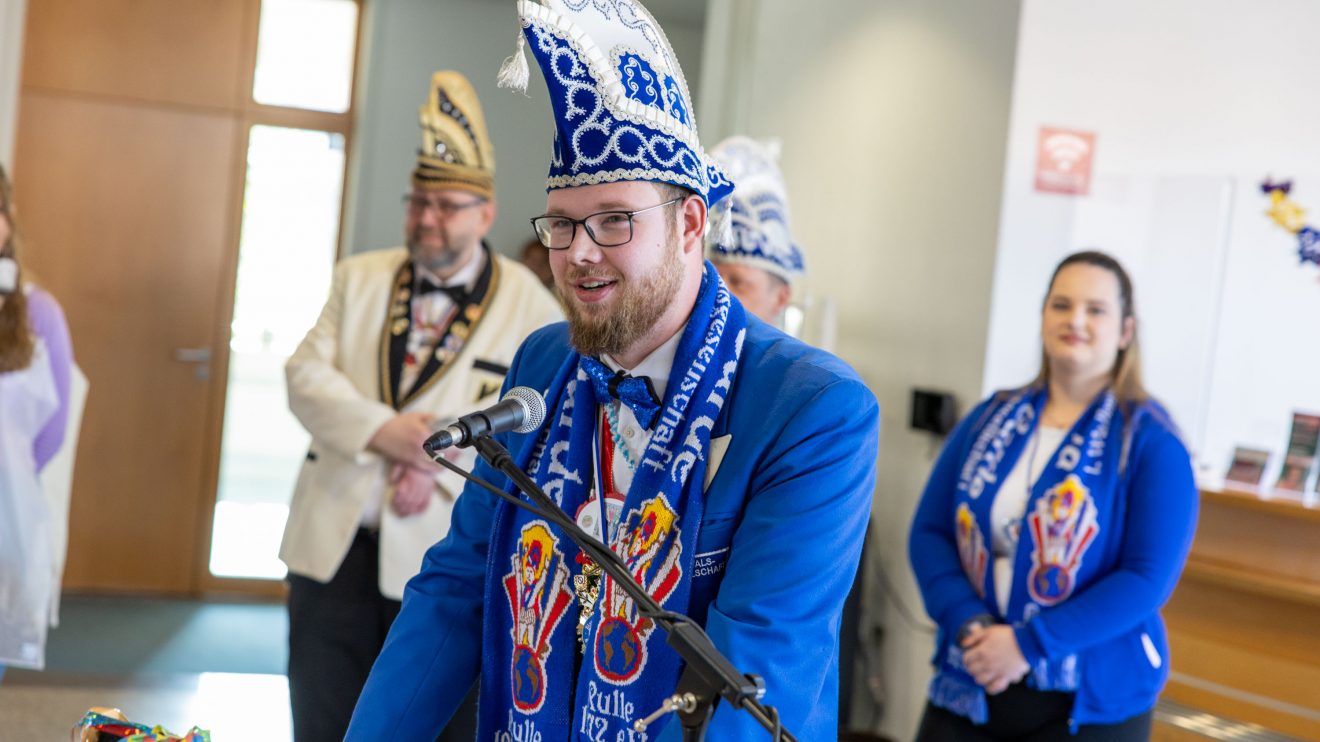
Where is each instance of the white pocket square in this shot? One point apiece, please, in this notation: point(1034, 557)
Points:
point(718, 446)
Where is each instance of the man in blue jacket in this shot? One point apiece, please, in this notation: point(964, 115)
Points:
point(730, 466)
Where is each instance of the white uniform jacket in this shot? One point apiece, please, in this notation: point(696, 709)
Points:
point(339, 389)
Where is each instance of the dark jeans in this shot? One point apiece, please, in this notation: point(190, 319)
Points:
point(1023, 714)
point(336, 629)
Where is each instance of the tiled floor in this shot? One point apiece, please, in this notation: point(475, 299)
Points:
point(43, 706)
point(175, 663)
point(123, 635)
point(158, 651)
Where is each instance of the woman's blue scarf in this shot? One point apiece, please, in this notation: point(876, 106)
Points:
point(1061, 524)
point(535, 685)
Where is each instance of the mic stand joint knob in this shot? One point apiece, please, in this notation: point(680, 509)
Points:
point(684, 702)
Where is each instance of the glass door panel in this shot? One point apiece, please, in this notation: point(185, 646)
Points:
point(286, 256)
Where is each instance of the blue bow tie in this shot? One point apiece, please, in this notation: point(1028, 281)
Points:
point(634, 391)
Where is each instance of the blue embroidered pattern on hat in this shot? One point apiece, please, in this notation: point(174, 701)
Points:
point(758, 210)
point(621, 105)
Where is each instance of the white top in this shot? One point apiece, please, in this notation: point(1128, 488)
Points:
point(430, 309)
point(1010, 505)
point(631, 433)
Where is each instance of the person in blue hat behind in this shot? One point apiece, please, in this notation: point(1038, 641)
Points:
point(758, 257)
point(730, 466)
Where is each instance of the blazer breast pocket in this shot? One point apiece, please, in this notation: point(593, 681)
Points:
point(712, 551)
point(709, 562)
point(486, 381)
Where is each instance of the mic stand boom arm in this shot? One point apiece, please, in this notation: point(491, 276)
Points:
point(708, 675)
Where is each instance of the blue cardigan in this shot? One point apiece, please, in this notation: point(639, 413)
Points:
point(785, 516)
point(1112, 621)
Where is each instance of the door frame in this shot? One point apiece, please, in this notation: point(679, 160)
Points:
point(252, 114)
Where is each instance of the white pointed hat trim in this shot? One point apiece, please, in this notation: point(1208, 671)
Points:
point(765, 264)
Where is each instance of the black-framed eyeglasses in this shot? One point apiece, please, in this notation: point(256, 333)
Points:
point(418, 204)
point(605, 228)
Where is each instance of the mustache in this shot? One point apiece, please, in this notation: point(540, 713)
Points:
point(574, 275)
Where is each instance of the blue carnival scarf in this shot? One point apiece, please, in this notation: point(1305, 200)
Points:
point(1060, 525)
point(535, 686)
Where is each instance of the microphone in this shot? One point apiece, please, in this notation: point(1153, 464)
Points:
point(521, 411)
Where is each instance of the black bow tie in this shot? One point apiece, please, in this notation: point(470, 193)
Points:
point(457, 294)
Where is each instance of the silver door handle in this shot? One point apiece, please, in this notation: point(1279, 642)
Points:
point(199, 356)
point(192, 355)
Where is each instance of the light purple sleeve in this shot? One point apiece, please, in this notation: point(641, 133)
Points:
point(47, 320)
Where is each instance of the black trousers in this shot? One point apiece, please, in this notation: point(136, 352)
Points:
point(336, 629)
point(1024, 714)
point(849, 638)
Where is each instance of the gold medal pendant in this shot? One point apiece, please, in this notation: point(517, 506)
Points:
point(587, 587)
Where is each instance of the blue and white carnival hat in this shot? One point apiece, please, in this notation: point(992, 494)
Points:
point(621, 104)
point(758, 210)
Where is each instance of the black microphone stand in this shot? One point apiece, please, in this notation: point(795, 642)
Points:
point(708, 675)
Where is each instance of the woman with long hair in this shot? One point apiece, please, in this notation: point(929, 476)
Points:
point(1053, 527)
point(35, 375)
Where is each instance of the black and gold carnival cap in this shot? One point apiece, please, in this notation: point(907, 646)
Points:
point(456, 151)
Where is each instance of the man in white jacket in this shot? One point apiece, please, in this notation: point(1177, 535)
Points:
point(409, 338)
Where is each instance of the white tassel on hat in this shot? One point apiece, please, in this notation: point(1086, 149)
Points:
point(721, 222)
point(513, 73)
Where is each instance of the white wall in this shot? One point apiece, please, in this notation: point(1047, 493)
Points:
point(893, 116)
point(12, 16)
point(1193, 103)
point(407, 40)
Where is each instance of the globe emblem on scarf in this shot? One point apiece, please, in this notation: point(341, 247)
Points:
point(649, 543)
point(538, 594)
point(528, 679)
point(1063, 526)
point(618, 649)
point(1051, 581)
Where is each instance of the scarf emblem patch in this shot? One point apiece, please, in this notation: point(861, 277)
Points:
point(539, 594)
point(649, 541)
point(1063, 526)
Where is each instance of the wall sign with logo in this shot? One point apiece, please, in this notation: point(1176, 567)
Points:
point(1063, 160)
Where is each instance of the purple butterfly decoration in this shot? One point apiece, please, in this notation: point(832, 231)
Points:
point(1270, 186)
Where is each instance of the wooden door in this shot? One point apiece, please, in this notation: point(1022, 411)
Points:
point(128, 214)
point(128, 167)
point(130, 155)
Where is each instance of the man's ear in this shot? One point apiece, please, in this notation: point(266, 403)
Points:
point(783, 295)
point(693, 214)
point(489, 211)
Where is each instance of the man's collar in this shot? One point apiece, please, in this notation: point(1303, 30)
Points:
point(465, 276)
point(655, 366)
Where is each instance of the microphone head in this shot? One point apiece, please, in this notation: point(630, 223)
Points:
point(533, 405)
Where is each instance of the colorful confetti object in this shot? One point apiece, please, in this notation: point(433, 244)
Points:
point(99, 725)
point(1285, 212)
point(1291, 216)
point(1269, 185)
point(1308, 245)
